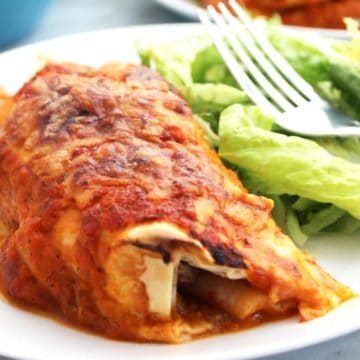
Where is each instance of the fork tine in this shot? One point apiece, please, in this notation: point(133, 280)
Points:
point(252, 69)
point(236, 69)
point(283, 66)
point(268, 68)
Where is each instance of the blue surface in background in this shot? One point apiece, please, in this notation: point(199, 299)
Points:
point(18, 18)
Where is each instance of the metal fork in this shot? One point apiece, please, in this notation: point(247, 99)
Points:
point(268, 79)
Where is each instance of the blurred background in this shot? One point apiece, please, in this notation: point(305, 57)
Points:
point(28, 21)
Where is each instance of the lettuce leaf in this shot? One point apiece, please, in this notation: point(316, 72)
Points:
point(173, 59)
point(328, 65)
point(213, 97)
point(297, 166)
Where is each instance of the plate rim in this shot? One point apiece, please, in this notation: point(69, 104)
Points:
point(322, 338)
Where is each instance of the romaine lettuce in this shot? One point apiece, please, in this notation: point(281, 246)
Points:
point(296, 165)
point(333, 73)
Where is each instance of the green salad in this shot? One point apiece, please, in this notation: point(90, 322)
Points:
point(315, 183)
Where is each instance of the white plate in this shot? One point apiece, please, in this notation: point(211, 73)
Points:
point(27, 336)
point(189, 9)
